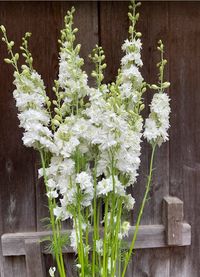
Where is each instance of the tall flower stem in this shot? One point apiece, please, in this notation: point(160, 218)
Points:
point(149, 179)
point(105, 238)
point(95, 222)
point(116, 237)
point(55, 228)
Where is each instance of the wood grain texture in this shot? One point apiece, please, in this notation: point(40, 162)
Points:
point(34, 258)
point(173, 217)
point(149, 236)
point(184, 39)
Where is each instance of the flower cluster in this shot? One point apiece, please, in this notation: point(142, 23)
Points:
point(30, 99)
point(157, 125)
point(89, 139)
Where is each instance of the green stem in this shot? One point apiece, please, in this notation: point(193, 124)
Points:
point(95, 222)
point(81, 241)
point(116, 238)
point(52, 220)
point(105, 238)
point(87, 232)
point(128, 255)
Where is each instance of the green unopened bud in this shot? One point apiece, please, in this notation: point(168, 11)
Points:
point(130, 29)
point(94, 74)
point(48, 104)
point(12, 43)
point(3, 29)
point(144, 89)
point(138, 34)
point(75, 30)
point(24, 67)
point(8, 61)
point(96, 56)
point(142, 107)
point(3, 39)
point(57, 117)
point(77, 49)
point(154, 87)
point(165, 85)
point(28, 34)
point(56, 110)
point(55, 122)
point(137, 16)
point(164, 62)
point(55, 103)
point(16, 56)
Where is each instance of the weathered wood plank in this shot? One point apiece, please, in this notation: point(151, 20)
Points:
point(184, 63)
point(34, 258)
point(149, 236)
point(173, 217)
point(17, 198)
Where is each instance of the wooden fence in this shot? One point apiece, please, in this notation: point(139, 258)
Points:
point(22, 198)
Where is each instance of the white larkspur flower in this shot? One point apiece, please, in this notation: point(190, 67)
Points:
point(52, 194)
point(73, 240)
point(99, 246)
point(65, 140)
point(30, 98)
point(85, 180)
point(107, 185)
point(104, 186)
point(157, 125)
point(129, 202)
point(61, 213)
point(136, 43)
point(125, 228)
point(52, 271)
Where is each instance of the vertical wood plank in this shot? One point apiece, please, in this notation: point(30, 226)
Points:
point(16, 161)
point(185, 131)
point(34, 258)
point(173, 218)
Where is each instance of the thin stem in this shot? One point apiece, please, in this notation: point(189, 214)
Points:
point(116, 238)
point(52, 220)
point(105, 238)
point(128, 255)
point(95, 222)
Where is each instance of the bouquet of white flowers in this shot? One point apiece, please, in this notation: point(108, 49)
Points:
point(89, 140)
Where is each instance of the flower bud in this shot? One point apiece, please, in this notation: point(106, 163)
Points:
point(8, 61)
point(165, 85)
point(154, 87)
point(3, 29)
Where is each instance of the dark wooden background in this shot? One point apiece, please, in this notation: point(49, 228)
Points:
point(22, 200)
